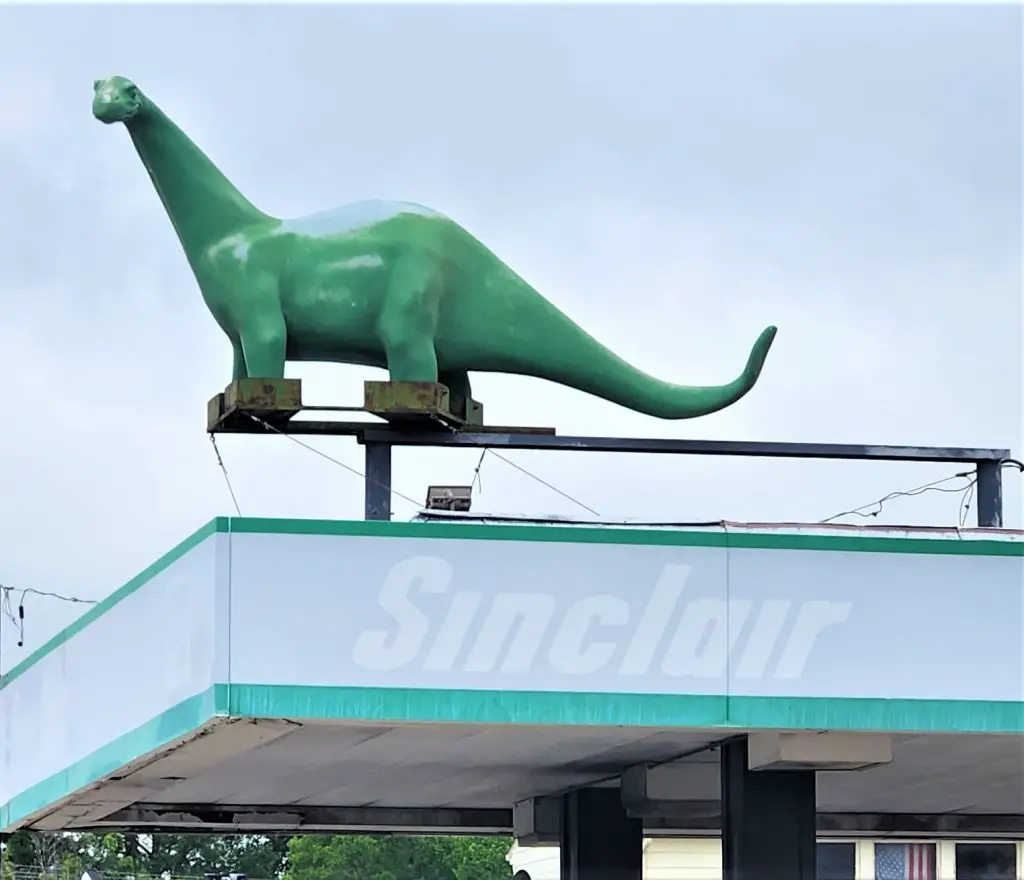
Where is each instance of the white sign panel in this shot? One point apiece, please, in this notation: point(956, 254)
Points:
point(623, 618)
point(104, 682)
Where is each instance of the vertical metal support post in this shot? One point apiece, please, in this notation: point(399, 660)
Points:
point(990, 494)
point(768, 820)
point(378, 481)
point(598, 841)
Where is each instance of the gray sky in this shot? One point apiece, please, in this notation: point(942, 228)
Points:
point(675, 178)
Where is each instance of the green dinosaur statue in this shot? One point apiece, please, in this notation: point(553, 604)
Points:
point(384, 284)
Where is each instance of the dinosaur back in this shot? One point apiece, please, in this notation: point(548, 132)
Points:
point(346, 219)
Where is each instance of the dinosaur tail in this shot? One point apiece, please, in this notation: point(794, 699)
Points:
point(506, 326)
point(596, 370)
point(535, 338)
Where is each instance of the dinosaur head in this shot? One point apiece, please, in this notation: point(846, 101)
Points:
point(115, 99)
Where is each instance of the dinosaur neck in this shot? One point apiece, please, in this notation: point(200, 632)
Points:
point(203, 204)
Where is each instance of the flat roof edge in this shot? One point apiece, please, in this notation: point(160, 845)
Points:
point(134, 749)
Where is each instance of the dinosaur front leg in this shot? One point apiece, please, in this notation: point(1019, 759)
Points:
point(262, 330)
point(408, 320)
point(264, 343)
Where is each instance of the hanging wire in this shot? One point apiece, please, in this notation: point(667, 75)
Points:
point(477, 481)
point(521, 469)
point(267, 426)
point(227, 478)
point(333, 460)
point(17, 617)
point(965, 502)
point(966, 492)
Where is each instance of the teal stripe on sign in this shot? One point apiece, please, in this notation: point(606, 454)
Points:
point(738, 537)
point(631, 710)
point(178, 721)
point(470, 706)
point(853, 713)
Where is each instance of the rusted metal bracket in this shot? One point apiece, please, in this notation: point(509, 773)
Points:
point(422, 407)
point(273, 401)
point(420, 402)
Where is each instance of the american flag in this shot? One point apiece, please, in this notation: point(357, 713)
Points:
point(904, 861)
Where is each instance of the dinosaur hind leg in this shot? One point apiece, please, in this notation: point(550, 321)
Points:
point(408, 320)
point(238, 367)
point(459, 391)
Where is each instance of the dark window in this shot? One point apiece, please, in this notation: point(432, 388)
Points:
point(905, 861)
point(986, 861)
point(836, 861)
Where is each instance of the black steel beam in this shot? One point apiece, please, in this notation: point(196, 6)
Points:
point(379, 439)
point(671, 446)
point(689, 818)
point(220, 819)
point(377, 481)
point(597, 839)
point(990, 494)
point(769, 819)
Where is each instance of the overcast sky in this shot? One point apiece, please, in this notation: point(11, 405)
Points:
point(675, 178)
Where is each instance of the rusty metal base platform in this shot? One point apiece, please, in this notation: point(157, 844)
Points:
point(421, 403)
point(250, 406)
point(271, 400)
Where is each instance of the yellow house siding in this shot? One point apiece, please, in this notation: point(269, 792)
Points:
point(664, 859)
point(865, 865)
point(683, 859)
point(693, 858)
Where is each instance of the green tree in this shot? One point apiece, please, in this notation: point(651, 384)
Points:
point(145, 855)
point(478, 858)
point(192, 855)
point(347, 857)
point(397, 857)
point(39, 853)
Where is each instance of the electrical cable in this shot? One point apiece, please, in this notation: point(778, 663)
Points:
point(30, 591)
point(329, 458)
point(967, 493)
point(866, 512)
point(18, 617)
point(965, 502)
point(477, 480)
